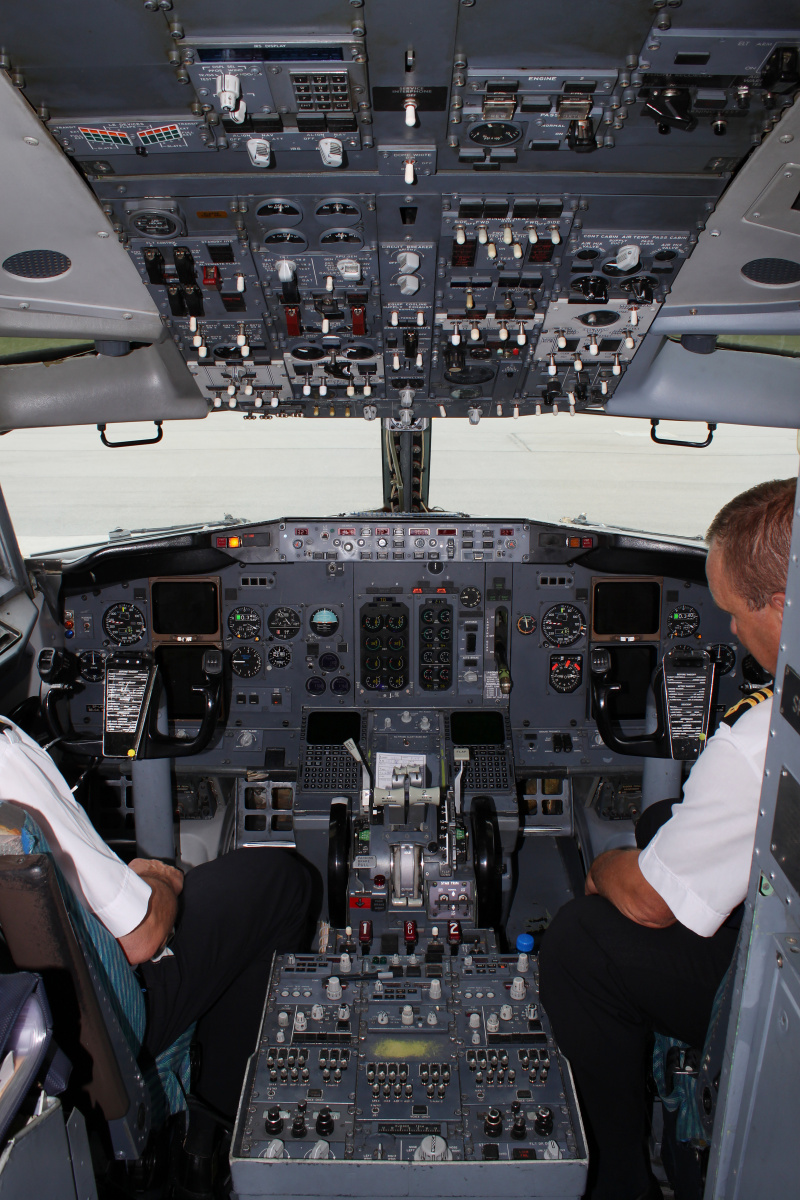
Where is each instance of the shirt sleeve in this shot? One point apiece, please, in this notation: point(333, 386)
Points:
point(699, 861)
point(101, 880)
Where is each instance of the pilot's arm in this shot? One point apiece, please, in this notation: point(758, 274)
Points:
point(616, 876)
point(150, 936)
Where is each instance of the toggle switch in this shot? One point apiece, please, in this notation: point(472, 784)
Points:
point(461, 236)
point(409, 172)
point(410, 106)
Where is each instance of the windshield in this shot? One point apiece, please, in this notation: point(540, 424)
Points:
point(63, 488)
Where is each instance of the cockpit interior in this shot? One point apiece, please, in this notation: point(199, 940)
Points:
point(417, 220)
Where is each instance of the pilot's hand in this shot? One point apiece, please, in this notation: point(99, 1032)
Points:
point(158, 870)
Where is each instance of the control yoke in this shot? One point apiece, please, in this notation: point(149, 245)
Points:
point(684, 686)
point(158, 745)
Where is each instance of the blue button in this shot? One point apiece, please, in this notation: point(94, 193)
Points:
point(524, 943)
point(69, 633)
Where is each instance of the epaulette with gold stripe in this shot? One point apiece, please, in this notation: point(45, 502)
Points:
point(747, 702)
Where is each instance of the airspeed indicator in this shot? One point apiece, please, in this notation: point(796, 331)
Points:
point(563, 625)
point(124, 624)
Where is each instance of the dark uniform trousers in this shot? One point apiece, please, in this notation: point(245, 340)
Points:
point(235, 912)
point(607, 984)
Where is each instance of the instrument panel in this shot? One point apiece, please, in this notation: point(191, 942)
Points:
point(342, 629)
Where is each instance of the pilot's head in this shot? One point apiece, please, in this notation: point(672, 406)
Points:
point(747, 565)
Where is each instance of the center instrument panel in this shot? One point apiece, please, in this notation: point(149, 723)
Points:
point(396, 622)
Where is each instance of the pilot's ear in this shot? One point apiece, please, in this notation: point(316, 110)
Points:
point(777, 600)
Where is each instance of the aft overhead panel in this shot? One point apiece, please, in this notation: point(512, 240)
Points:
point(461, 209)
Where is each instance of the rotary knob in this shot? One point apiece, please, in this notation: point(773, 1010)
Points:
point(433, 1149)
point(408, 284)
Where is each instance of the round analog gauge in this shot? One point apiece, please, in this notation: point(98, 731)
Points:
point(341, 237)
point(565, 672)
point(279, 212)
point(245, 623)
point(279, 656)
point(396, 621)
point(342, 212)
point(724, 656)
point(284, 623)
point(563, 625)
point(753, 672)
point(329, 662)
point(470, 597)
point(245, 662)
point(396, 643)
point(495, 133)
point(316, 685)
point(428, 614)
point(93, 666)
point(598, 318)
point(372, 643)
point(323, 622)
point(156, 224)
point(372, 621)
point(469, 375)
point(428, 634)
point(124, 624)
point(526, 624)
point(340, 686)
point(683, 621)
point(285, 237)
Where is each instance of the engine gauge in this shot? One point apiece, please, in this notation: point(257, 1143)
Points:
point(526, 624)
point(245, 623)
point(563, 625)
point(683, 621)
point(495, 133)
point(279, 656)
point(284, 623)
point(372, 621)
point(245, 662)
point(93, 666)
point(396, 621)
point(340, 686)
point(470, 597)
point(315, 685)
point(124, 624)
point(323, 622)
point(724, 656)
point(396, 643)
point(566, 671)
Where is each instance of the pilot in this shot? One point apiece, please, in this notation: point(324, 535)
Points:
point(646, 947)
point(202, 943)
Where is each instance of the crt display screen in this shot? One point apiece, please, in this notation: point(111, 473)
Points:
point(332, 728)
point(185, 607)
point(627, 608)
point(477, 729)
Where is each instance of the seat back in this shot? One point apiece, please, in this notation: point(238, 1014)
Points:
point(48, 931)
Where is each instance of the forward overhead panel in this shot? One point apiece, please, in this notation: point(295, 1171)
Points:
point(469, 209)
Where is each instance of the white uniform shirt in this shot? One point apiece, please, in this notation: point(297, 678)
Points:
point(29, 778)
point(699, 861)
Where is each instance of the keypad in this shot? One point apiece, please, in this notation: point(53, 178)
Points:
point(327, 92)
